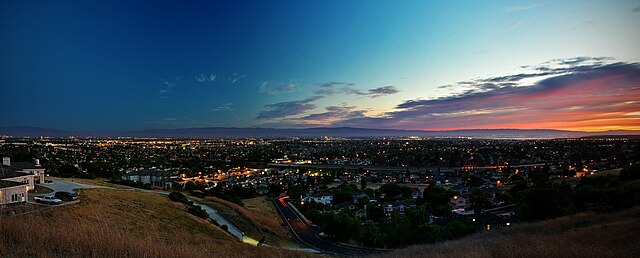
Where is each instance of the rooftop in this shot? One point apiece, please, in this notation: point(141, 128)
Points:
point(5, 184)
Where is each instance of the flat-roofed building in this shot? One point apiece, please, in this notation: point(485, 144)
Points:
point(12, 192)
point(33, 168)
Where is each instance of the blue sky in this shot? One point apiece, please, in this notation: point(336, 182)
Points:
point(125, 65)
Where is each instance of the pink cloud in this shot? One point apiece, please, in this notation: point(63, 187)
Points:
point(596, 97)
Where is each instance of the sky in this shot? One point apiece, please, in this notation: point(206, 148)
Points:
point(431, 65)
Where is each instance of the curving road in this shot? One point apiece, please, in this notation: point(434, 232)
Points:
point(308, 234)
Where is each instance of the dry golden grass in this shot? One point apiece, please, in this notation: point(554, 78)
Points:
point(98, 181)
point(254, 223)
point(116, 223)
point(262, 206)
point(581, 235)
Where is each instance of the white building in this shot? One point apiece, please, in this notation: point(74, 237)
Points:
point(12, 192)
point(34, 169)
point(324, 199)
point(150, 176)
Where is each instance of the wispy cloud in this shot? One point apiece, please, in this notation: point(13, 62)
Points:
point(510, 9)
point(224, 107)
point(382, 91)
point(531, 75)
point(576, 94)
point(273, 88)
point(332, 88)
point(287, 108)
point(167, 87)
point(334, 113)
point(235, 77)
point(205, 77)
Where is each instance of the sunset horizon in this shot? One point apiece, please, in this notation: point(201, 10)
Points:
point(420, 65)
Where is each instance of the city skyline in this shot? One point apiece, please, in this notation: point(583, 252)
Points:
point(78, 66)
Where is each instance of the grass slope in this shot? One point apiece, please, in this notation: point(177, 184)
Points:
point(121, 223)
point(253, 222)
point(581, 235)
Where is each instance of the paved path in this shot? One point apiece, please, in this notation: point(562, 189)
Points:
point(66, 186)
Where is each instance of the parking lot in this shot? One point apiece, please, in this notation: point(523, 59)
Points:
point(66, 186)
point(60, 186)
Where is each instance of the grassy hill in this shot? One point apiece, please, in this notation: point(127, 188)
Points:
point(256, 220)
point(121, 223)
point(580, 235)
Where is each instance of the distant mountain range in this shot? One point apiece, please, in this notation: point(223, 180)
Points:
point(346, 132)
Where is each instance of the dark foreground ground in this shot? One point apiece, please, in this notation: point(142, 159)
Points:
point(582, 235)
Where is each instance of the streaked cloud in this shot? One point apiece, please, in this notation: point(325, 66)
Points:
point(510, 9)
point(287, 108)
point(382, 91)
point(205, 77)
point(333, 114)
point(273, 88)
point(332, 88)
point(167, 87)
point(235, 77)
point(224, 107)
point(575, 94)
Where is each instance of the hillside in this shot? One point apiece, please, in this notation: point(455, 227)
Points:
point(121, 223)
point(581, 235)
point(252, 222)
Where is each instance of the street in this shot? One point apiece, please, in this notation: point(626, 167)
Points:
point(308, 234)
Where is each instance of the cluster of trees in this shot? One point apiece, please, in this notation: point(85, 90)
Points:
point(191, 207)
point(68, 170)
point(233, 194)
point(544, 198)
point(405, 230)
point(136, 184)
point(388, 230)
point(537, 199)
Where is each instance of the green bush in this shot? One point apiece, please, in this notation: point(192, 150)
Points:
point(630, 173)
point(197, 211)
point(178, 197)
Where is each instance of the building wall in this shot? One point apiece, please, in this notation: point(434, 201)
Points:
point(38, 174)
point(23, 179)
point(145, 179)
point(14, 194)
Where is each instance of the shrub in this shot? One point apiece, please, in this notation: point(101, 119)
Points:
point(178, 197)
point(197, 211)
point(630, 173)
point(132, 184)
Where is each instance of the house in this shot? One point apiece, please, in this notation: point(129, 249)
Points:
point(416, 193)
point(34, 168)
point(458, 202)
point(387, 208)
point(319, 198)
point(152, 176)
point(12, 192)
point(168, 183)
point(403, 205)
point(357, 196)
point(13, 175)
point(14, 183)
